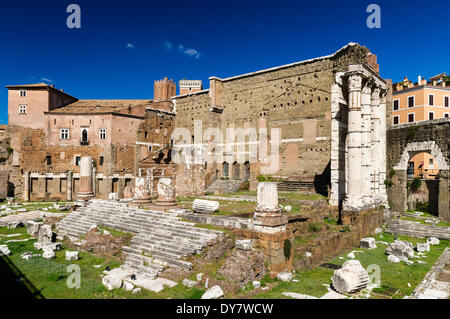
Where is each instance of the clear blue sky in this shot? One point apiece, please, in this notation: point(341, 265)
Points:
point(123, 46)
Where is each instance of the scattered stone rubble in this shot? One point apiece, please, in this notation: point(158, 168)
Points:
point(214, 293)
point(351, 278)
point(205, 206)
point(368, 243)
point(4, 250)
point(401, 249)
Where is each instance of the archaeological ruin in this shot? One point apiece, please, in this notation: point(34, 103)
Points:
point(219, 174)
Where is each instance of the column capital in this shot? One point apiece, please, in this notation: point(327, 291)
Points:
point(354, 81)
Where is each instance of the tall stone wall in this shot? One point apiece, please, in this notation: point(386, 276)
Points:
point(295, 98)
point(404, 141)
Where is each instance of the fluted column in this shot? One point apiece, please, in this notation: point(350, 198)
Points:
point(382, 137)
point(353, 196)
point(366, 143)
point(375, 106)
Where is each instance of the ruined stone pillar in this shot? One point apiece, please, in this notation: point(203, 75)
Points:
point(366, 143)
point(268, 213)
point(375, 105)
point(166, 192)
point(26, 186)
point(94, 181)
point(142, 193)
point(86, 189)
point(382, 162)
point(69, 185)
point(353, 198)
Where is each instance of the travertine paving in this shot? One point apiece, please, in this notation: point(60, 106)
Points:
point(436, 284)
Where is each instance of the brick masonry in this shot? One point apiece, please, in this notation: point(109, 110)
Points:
point(404, 141)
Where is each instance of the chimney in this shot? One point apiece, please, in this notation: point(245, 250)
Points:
point(419, 80)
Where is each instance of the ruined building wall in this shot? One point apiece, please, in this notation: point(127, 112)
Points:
point(295, 98)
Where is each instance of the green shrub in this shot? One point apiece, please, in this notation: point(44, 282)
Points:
point(287, 249)
point(415, 184)
point(314, 227)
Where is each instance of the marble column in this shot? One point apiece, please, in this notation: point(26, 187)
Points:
point(26, 186)
point(376, 156)
point(166, 192)
point(382, 162)
point(69, 185)
point(86, 189)
point(366, 144)
point(353, 198)
point(268, 212)
point(142, 193)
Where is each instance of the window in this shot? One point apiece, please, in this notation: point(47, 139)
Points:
point(410, 101)
point(48, 159)
point(430, 163)
point(103, 133)
point(396, 104)
point(22, 109)
point(446, 115)
point(64, 133)
point(101, 159)
point(77, 160)
point(431, 115)
point(410, 117)
point(446, 101)
point(84, 136)
point(396, 119)
point(430, 99)
point(23, 93)
point(149, 148)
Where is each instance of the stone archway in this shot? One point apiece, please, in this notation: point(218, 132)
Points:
point(416, 147)
point(398, 193)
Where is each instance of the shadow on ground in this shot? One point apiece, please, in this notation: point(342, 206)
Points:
point(14, 284)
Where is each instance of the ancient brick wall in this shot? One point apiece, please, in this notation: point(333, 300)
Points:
point(403, 142)
point(294, 98)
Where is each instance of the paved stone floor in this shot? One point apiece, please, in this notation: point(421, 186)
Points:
point(436, 284)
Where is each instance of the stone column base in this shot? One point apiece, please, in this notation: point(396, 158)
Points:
point(271, 218)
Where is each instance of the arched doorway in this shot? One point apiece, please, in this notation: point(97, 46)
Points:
point(421, 171)
point(236, 169)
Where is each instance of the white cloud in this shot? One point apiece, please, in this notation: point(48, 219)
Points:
point(186, 51)
point(46, 80)
point(192, 52)
point(168, 45)
point(129, 45)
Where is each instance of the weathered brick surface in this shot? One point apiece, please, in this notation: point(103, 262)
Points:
point(295, 99)
point(398, 138)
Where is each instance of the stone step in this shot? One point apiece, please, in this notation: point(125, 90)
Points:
point(162, 247)
point(194, 245)
point(164, 236)
point(83, 227)
point(170, 259)
point(138, 260)
point(192, 232)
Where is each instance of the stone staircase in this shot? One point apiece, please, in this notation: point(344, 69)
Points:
point(416, 229)
point(295, 186)
point(161, 239)
point(223, 186)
